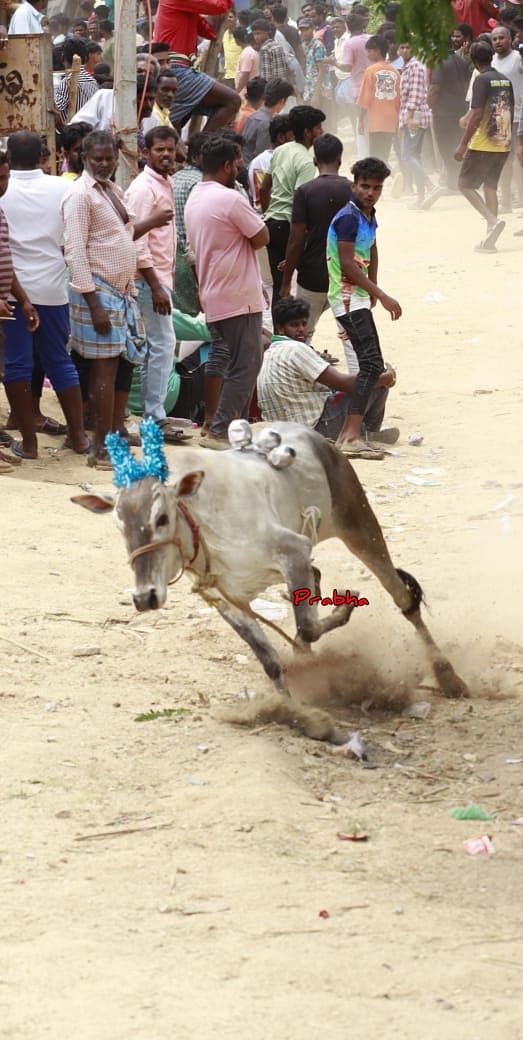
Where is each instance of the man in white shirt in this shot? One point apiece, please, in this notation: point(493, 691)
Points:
point(32, 207)
point(508, 62)
point(28, 18)
point(98, 112)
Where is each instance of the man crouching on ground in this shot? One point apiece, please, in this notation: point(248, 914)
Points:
point(296, 384)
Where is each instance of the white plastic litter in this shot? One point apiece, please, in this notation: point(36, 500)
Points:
point(357, 746)
point(425, 476)
point(433, 297)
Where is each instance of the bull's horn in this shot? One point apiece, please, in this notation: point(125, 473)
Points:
point(127, 469)
point(154, 458)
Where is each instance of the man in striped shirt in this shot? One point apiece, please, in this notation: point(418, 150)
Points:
point(87, 85)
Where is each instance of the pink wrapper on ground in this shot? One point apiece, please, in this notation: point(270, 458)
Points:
point(479, 846)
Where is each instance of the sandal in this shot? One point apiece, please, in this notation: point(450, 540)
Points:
point(171, 436)
point(11, 460)
point(493, 235)
point(84, 451)
point(359, 449)
point(51, 427)
point(5, 467)
point(17, 449)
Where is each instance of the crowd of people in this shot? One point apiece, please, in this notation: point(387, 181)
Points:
point(233, 238)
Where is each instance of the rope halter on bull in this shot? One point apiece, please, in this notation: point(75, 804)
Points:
point(128, 470)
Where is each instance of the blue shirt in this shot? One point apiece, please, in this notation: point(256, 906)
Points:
point(349, 225)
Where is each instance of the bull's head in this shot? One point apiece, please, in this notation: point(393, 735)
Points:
point(159, 532)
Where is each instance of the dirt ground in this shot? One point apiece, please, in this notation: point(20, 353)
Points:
point(166, 877)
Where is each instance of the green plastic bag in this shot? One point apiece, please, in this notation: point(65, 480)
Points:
point(472, 812)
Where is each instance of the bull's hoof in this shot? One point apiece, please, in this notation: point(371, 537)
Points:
point(301, 647)
point(451, 684)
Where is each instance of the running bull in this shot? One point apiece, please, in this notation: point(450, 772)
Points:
point(240, 525)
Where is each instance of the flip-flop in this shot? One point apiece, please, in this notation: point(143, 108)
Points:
point(17, 449)
point(178, 422)
point(482, 248)
point(85, 451)
point(172, 436)
point(387, 436)
point(5, 467)
point(11, 460)
point(52, 427)
point(492, 236)
point(359, 449)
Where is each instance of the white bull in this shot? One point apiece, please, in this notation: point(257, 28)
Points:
point(239, 526)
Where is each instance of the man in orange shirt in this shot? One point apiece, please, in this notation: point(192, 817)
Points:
point(379, 97)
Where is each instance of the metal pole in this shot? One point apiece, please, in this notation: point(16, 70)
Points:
point(125, 89)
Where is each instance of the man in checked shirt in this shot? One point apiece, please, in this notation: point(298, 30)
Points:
point(414, 120)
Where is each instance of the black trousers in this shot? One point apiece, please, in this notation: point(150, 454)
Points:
point(279, 231)
point(448, 134)
point(380, 144)
point(363, 334)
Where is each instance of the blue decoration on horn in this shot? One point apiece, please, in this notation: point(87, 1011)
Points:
point(154, 459)
point(127, 468)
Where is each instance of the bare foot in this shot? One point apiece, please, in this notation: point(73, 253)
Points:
point(388, 377)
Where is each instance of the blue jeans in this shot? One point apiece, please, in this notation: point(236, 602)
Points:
point(411, 145)
point(161, 342)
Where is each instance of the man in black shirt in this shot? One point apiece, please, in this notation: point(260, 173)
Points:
point(447, 99)
point(315, 205)
point(486, 142)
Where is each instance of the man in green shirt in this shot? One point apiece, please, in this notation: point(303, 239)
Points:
point(291, 166)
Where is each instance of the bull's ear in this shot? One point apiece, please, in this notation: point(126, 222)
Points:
point(188, 484)
point(96, 503)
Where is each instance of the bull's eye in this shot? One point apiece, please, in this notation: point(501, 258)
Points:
point(162, 520)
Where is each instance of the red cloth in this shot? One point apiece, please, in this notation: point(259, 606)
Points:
point(475, 13)
point(180, 22)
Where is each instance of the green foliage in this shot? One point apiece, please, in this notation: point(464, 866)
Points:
point(425, 24)
point(166, 713)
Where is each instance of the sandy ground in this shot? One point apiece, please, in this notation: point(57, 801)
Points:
point(166, 877)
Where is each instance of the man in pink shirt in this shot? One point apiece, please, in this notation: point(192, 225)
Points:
point(224, 234)
point(355, 60)
point(248, 65)
point(156, 252)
